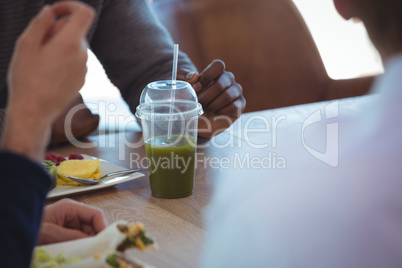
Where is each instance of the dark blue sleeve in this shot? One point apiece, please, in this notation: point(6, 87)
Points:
point(23, 188)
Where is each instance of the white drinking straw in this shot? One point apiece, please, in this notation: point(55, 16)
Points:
point(173, 91)
point(175, 59)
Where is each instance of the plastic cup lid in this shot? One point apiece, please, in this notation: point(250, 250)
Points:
point(164, 100)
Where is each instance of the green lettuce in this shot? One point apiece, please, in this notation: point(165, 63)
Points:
point(43, 259)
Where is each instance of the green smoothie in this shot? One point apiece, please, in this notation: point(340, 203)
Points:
point(171, 166)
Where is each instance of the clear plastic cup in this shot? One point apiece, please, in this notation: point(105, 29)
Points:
point(169, 116)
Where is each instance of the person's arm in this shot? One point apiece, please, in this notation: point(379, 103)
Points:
point(47, 69)
point(136, 49)
point(309, 217)
point(133, 47)
point(24, 186)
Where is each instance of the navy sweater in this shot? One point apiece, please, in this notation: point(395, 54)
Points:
point(23, 188)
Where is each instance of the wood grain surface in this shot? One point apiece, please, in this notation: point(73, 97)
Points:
point(177, 224)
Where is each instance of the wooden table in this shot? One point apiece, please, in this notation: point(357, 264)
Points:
point(177, 224)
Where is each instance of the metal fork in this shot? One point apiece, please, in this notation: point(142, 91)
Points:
point(93, 181)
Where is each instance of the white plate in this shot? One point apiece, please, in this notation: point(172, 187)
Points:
point(64, 247)
point(105, 167)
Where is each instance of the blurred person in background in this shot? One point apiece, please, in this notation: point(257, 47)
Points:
point(134, 49)
point(315, 215)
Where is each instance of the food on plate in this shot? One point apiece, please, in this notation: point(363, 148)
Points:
point(117, 261)
point(75, 166)
point(106, 249)
point(51, 168)
point(75, 156)
point(42, 259)
point(86, 168)
point(53, 158)
point(58, 159)
point(135, 237)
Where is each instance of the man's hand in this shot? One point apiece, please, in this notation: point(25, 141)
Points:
point(47, 70)
point(221, 97)
point(68, 220)
point(49, 63)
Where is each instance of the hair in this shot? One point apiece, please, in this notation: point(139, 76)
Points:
point(383, 20)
